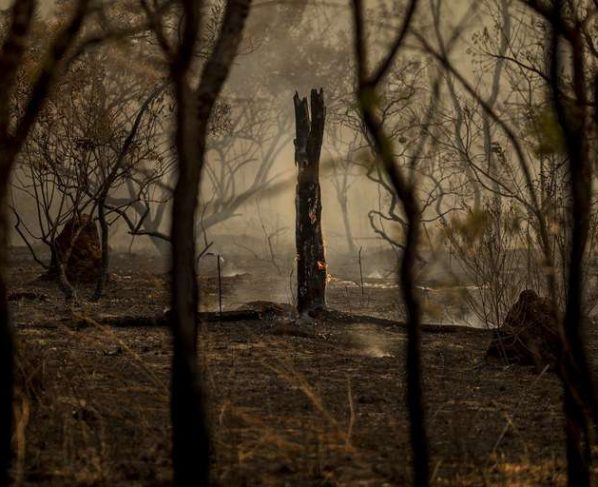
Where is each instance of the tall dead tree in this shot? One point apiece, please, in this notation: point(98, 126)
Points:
point(311, 262)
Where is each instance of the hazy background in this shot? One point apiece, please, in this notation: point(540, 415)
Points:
point(274, 62)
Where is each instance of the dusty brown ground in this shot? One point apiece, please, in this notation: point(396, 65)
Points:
point(325, 408)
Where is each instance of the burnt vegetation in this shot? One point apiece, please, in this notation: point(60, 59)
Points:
point(253, 242)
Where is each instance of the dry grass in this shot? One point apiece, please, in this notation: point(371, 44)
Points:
point(326, 408)
point(94, 411)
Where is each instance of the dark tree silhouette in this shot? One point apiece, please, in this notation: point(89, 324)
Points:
point(191, 443)
point(405, 191)
point(579, 392)
point(13, 134)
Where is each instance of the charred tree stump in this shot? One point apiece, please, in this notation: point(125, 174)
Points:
point(311, 262)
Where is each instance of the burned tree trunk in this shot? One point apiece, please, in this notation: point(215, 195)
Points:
point(311, 262)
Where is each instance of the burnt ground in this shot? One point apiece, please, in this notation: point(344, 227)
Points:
point(324, 406)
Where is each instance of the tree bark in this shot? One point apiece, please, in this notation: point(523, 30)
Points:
point(311, 261)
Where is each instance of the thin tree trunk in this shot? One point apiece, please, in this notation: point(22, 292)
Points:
point(415, 403)
point(311, 261)
point(65, 286)
point(405, 191)
point(6, 359)
point(103, 195)
point(11, 56)
point(191, 440)
point(190, 434)
point(12, 52)
point(347, 225)
point(579, 454)
point(58, 266)
point(191, 445)
point(580, 400)
point(104, 238)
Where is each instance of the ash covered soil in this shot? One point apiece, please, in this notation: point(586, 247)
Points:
point(323, 404)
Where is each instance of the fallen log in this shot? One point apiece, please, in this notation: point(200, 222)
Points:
point(256, 311)
point(163, 319)
point(350, 319)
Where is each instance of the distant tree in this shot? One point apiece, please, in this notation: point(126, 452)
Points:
point(401, 101)
point(99, 129)
point(343, 149)
point(240, 160)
